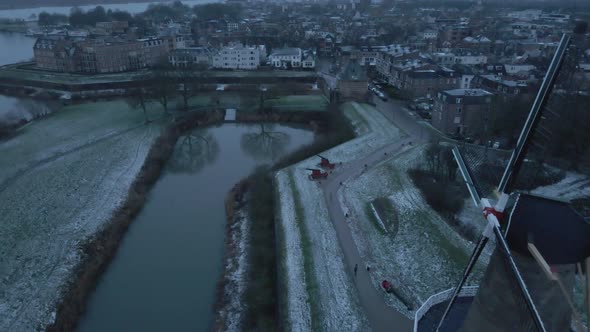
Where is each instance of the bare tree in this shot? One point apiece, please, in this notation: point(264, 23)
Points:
point(190, 80)
point(138, 98)
point(266, 143)
point(193, 152)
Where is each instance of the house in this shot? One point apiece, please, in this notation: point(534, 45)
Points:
point(113, 27)
point(155, 50)
point(186, 57)
point(427, 82)
point(353, 81)
point(308, 62)
point(237, 56)
point(470, 59)
point(286, 58)
point(499, 85)
point(444, 58)
point(430, 34)
point(462, 112)
point(513, 69)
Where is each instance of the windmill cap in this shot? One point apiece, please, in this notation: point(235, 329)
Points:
point(561, 235)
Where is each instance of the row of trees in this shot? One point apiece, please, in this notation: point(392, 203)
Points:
point(164, 84)
point(155, 12)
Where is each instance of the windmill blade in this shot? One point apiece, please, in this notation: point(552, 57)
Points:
point(501, 242)
point(481, 243)
point(517, 155)
point(467, 177)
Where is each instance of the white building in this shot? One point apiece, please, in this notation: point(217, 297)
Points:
point(465, 82)
point(430, 34)
point(518, 68)
point(286, 58)
point(237, 57)
point(469, 59)
point(308, 62)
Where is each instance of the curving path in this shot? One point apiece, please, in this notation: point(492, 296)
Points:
point(381, 316)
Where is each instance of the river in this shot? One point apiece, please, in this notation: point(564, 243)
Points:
point(133, 8)
point(17, 47)
point(164, 274)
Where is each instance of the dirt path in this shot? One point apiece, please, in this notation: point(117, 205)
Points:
point(381, 316)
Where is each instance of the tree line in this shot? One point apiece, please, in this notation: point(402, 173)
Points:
point(159, 12)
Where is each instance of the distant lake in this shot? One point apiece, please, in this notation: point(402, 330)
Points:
point(129, 7)
point(15, 47)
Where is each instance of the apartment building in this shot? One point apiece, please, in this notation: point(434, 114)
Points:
point(98, 55)
point(186, 57)
point(462, 112)
point(237, 56)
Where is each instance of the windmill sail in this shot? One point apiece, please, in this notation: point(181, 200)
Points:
point(503, 273)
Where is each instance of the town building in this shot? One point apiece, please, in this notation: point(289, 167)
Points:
point(98, 55)
point(500, 85)
point(353, 81)
point(55, 53)
point(187, 57)
point(101, 56)
point(155, 50)
point(427, 82)
point(465, 112)
point(286, 58)
point(113, 27)
point(237, 56)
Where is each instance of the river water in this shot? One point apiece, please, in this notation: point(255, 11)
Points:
point(17, 47)
point(133, 8)
point(164, 274)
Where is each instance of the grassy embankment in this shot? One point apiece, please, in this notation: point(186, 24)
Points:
point(261, 298)
point(101, 248)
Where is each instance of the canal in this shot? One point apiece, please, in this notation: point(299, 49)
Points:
point(164, 275)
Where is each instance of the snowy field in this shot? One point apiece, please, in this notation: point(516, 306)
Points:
point(237, 266)
point(327, 300)
point(320, 293)
point(60, 180)
point(424, 255)
point(573, 186)
point(372, 129)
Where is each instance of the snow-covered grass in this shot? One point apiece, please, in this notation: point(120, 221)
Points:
point(373, 131)
point(329, 301)
point(574, 185)
point(80, 165)
point(73, 127)
point(297, 311)
point(320, 293)
point(236, 266)
point(425, 255)
point(299, 103)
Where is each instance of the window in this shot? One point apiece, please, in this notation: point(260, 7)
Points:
point(458, 101)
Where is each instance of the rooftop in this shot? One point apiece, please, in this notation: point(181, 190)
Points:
point(468, 92)
point(286, 52)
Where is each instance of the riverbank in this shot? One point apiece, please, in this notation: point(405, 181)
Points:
point(253, 256)
point(22, 78)
point(13, 27)
point(100, 249)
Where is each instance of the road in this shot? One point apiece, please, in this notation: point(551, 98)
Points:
point(381, 316)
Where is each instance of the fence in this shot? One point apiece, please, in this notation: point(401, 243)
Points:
point(439, 298)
